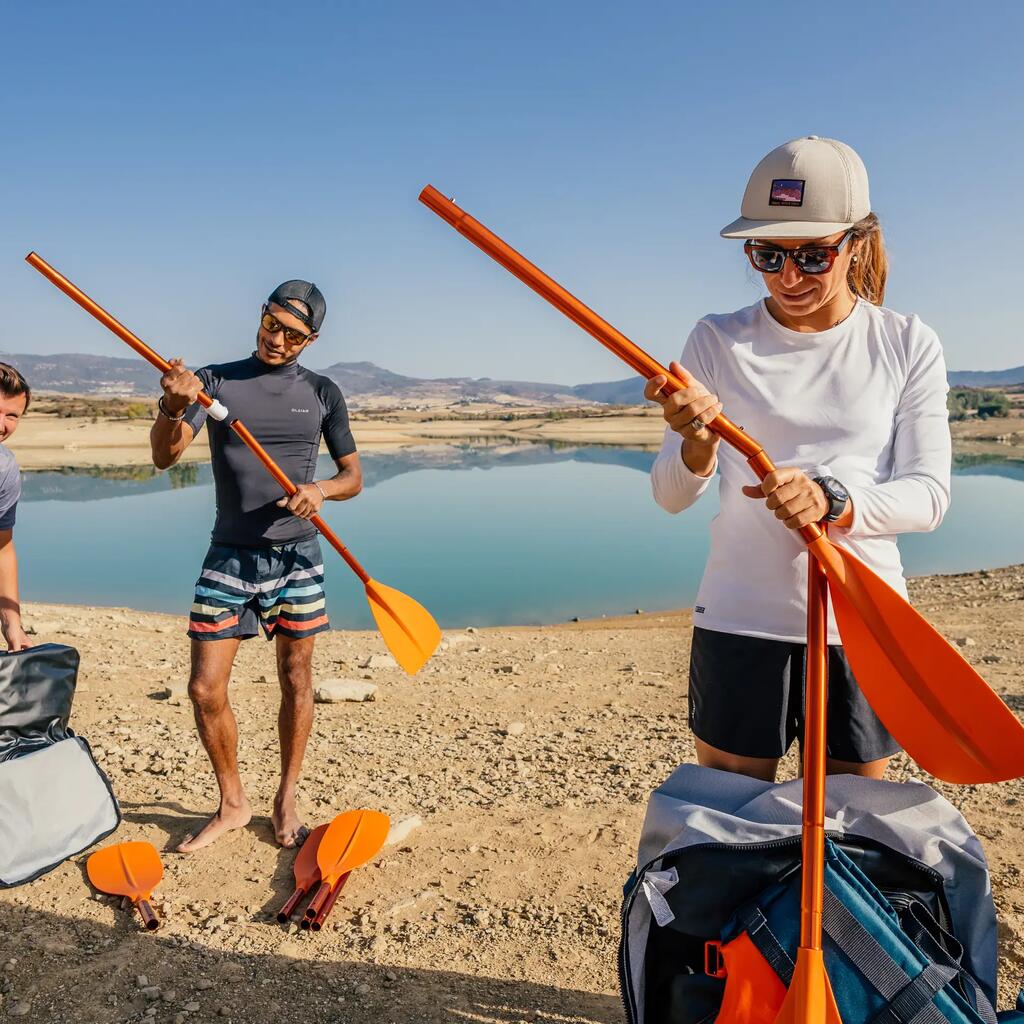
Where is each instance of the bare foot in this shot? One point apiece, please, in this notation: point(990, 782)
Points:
point(226, 819)
point(288, 828)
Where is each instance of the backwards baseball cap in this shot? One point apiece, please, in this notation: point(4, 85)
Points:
point(301, 291)
point(807, 188)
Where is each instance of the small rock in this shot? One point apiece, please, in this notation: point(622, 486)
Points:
point(402, 828)
point(224, 1011)
point(379, 661)
point(991, 659)
point(141, 981)
point(192, 1007)
point(553, 668)
point(151, 992)
point(965, 641)
point(362, 989)
point(481, 918)
point(175, 694)
point(331, 691)
point(19, 1009)
point(515, 728)
point(204, 984)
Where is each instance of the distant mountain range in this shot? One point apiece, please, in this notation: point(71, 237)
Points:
point(367, 384)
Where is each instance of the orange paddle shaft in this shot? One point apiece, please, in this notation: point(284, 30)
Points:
point(216, 409)
point(596, 326)
point(815, 703)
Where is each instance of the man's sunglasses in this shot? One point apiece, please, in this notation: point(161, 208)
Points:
point(808, 259)
point(273, 325)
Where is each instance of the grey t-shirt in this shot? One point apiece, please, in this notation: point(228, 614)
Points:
point(287, 409)
point(10, 488)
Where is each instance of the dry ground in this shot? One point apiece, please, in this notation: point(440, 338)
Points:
point(528, 754)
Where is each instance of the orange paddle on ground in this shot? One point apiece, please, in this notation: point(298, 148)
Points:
point(810, 999)
point(306, 871)
point(407, 628)
point(928, 696)
point(128, 869)
point(349, 842)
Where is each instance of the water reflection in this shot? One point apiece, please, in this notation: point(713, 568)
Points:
point(98, 483)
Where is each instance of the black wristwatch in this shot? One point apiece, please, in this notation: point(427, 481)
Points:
point(837, 496)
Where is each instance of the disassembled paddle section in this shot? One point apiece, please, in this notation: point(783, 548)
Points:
point(810, 999)
point(407, 628)
point(131, 870)
point(328, 857)
point(928, 696)
point(306, 871)
point(350, 841)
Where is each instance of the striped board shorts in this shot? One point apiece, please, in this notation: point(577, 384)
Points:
point(280, 588)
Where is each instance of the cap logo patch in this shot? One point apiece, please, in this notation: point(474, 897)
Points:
point(787, 192)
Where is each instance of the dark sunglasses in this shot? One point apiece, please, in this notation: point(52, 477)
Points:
point(273, 325)
point(808, 259)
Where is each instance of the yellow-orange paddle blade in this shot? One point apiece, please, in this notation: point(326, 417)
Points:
point(946, 717)
point(408, 629)
point(350, 841)
point(128, 869)
point(810, 999)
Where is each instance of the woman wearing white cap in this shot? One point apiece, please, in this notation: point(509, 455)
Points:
point(849, 398)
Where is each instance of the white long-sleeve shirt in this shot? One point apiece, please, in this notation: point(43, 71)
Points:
point(864, 401)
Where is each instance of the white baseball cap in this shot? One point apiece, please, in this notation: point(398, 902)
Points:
point(807, 188)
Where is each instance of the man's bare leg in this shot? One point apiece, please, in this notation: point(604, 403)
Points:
point(294, 722)
point(208, 689)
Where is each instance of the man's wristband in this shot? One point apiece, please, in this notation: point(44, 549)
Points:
point(320, 489)
point(166, 415)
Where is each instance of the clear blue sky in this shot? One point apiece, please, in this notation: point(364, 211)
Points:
point(178, 160)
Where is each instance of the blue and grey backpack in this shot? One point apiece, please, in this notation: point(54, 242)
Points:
point(909, 922)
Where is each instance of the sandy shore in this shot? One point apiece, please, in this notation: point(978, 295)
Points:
point(527, 753)
point(50, 442)
point(46, 441)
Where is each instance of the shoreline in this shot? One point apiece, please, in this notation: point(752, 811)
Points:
point(922, 588)
point(48, 442)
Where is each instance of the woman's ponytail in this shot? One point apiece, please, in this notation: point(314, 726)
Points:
point(870, 266)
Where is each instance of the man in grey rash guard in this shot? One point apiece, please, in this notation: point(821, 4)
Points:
point(264, 568)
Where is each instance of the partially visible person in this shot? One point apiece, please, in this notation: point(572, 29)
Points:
point(14, 398)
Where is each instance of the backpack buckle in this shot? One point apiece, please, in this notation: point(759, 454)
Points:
point(714, 962)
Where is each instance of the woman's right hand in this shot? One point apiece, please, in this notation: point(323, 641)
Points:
point(181, 386)
point(687, 411)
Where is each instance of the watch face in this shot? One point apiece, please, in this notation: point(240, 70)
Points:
point(835, 489)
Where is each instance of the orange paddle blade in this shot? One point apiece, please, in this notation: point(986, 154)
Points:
point(128, 869)
point(306, 869)
point(810, 999)
point(350, 841)
point(408, 629)
point(947, 718)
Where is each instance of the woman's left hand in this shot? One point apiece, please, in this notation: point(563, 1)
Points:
point(792, 495)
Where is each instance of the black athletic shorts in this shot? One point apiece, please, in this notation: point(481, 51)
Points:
point(747, 698)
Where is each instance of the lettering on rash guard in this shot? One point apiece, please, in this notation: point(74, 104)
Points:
point(287, 409)
point(864, 401)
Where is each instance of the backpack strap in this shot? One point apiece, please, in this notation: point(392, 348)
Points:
point(755, 924)
point(910, 1000)
point(918, 926)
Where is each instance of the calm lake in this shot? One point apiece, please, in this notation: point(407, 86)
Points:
point(520, 534)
